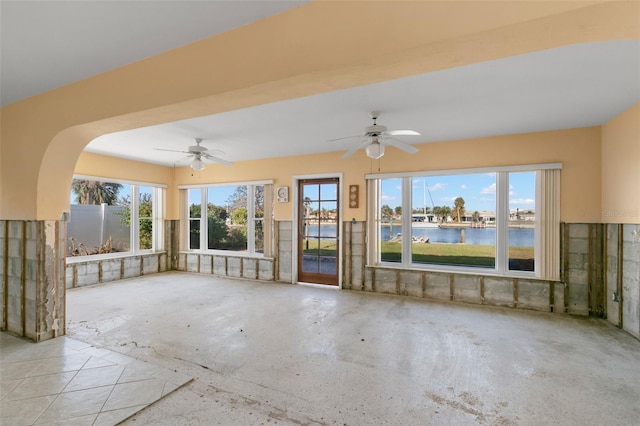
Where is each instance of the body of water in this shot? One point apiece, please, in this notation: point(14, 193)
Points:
point(518, 237)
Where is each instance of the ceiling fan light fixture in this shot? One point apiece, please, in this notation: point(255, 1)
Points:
point(374, 150)
point(197, 164)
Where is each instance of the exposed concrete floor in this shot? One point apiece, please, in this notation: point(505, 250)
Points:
point(267, 353)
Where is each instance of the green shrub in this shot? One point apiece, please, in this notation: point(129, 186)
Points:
point(237, 238)
point(217, 231)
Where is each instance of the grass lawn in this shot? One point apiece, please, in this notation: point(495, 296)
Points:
point(455, 254)
point(327, 247)
point(443, 254)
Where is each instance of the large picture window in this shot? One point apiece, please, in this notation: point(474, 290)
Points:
point(227, 217)
point(495, 220)
point(110, 217)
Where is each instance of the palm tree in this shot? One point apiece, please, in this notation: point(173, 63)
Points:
point(458, 205)
point(95, 192)
point(386, 212)
point(442, 212)
point(307, 207)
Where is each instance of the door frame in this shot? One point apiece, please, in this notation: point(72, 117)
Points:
point(296, 216)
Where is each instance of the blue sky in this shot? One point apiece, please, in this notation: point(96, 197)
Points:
point(217, 195)
point(478, 191)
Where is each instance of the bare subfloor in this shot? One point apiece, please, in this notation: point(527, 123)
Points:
point(266, 353)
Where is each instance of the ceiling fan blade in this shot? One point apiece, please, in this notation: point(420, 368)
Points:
point(354, 149)
point(170, 150)
point(343, 138)
point(216, 159)
point(400, 145)
point(402, 133)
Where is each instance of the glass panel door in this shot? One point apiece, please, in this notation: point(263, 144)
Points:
point(318, 231)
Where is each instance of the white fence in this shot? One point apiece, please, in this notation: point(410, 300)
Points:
point(92, 225)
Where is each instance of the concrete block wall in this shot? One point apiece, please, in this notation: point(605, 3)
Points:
point(592, 263)
point(631, 279)
point(623, 277)
point(81, 273)
point(611, 277)
point(576, 267)
point(467, 288)
point(32, 256)
point(354, 257)
point(540, 295)
point(583, 270)
point(33, 272)
point(228, 265)
point(284, 250)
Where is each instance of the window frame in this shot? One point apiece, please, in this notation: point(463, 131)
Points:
point(157, 194)
point(267, 225)
point(502, 217)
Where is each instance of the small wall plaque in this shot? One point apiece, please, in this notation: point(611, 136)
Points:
point(282, 194)
point(353, 196)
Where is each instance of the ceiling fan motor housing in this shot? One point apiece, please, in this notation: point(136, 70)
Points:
point(375, 130)
point(197, 148)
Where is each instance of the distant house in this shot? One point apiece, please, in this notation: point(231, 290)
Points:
point(525, 215)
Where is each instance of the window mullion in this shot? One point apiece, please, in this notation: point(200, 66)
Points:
point(251, 238)
point(406, 222)
point(204, 231)
point(502, 218)
point(185, 225)
point(133, 229)
point(373, 222)
point(158, 224)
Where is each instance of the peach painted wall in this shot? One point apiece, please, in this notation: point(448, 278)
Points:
point(296, 54)
point(621, 168)
point(577, 149)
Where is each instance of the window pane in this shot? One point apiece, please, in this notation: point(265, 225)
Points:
point(311, 220)
point(259, 236)
point(522, 221)
point(311, 255)
point(120, 233)
point(218, 217)
point(227, 218)
point(100, 218)
point(328, 216)
point(390, 225)
point(237, 235)
point(195, 212)
point(329, 191)
point(453, 220)
point(145, 217)
point(311, 192)
point(259, 201)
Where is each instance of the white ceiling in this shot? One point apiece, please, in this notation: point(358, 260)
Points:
point(47, 44)
point(568, 87)
point(573, 86)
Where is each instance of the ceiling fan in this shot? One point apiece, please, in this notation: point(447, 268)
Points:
point(199, 154)
point(376, 137)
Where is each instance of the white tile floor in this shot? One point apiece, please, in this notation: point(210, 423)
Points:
point(65, 381)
